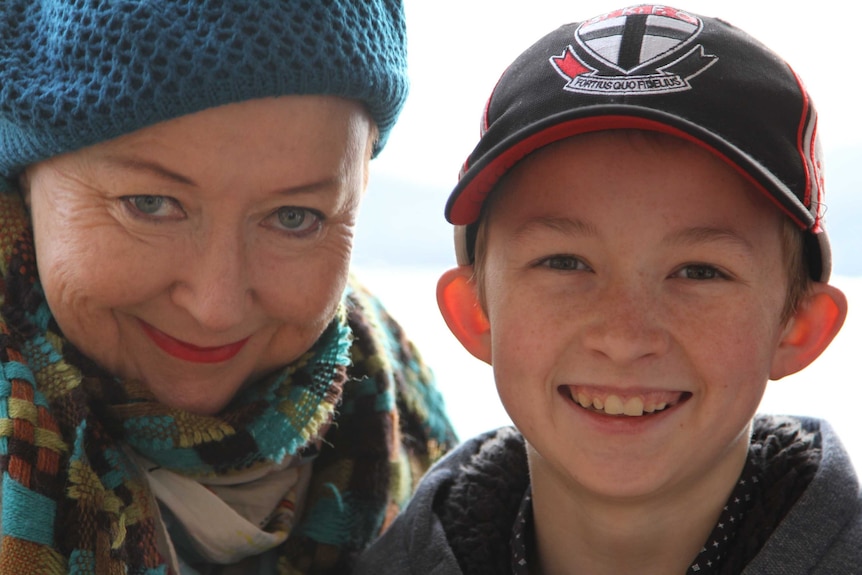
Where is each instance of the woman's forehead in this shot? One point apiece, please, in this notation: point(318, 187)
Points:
point(273, 136)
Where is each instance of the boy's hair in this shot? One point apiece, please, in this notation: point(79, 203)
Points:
point(659, 69)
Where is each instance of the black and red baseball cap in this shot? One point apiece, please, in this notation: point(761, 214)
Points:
point(661, 69)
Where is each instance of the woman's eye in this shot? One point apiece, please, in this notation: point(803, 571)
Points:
point(153, 206)
point(699, 272)
point(565, 263)
point(298, 220)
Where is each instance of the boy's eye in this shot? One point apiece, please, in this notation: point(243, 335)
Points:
point(153, 207)
point(296, 220)
point(699, 272)
point(564, 263)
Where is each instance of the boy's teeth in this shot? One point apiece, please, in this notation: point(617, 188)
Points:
point(634, 407)
point(615, 405)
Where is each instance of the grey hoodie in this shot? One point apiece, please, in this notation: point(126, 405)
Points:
point(820, 534)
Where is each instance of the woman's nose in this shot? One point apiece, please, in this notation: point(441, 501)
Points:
point(215, 288)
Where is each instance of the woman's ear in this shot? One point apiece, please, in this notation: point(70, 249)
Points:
point(810, 330)
point(460, 306)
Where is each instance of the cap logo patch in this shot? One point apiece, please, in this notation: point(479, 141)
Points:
point(640, 50)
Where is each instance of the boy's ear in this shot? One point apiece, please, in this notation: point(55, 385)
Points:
point(459, 304)
point(810, 330)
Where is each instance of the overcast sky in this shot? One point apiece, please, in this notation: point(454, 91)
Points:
point(458, 49)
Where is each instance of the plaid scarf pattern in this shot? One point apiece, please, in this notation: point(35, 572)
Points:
point(72, 501)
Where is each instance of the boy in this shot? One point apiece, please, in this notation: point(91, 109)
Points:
point(641, 248)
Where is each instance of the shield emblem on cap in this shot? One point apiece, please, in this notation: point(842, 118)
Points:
point(627, 40)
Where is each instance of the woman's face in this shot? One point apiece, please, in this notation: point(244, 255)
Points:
point(204, 252)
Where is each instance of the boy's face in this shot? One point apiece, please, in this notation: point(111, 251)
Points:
point(639, 274)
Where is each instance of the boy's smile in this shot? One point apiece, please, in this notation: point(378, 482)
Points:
point(634, 286)
point(622, 402)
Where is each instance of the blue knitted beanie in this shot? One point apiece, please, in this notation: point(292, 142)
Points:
point(78, 72)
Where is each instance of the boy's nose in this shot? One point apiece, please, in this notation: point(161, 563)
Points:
point(623, 326)
point(215, 287)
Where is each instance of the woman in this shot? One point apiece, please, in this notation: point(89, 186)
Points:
point(190, 381)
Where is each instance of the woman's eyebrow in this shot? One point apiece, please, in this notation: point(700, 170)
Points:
point(158, 170)
point(320, 186)
point(149, 166)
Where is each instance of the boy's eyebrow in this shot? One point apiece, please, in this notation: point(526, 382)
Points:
point(689, 236)
point(569, 226)
point(708, 234)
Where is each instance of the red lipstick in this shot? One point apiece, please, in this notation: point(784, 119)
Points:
point(189, 352)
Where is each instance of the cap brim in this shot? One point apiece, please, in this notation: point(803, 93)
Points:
point(476, 182)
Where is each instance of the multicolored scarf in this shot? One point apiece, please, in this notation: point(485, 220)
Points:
point(73, 501)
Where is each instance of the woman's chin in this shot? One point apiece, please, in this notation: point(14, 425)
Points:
point(194, 398)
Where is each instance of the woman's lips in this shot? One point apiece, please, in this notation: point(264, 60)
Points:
point(189, 352)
